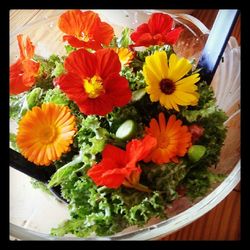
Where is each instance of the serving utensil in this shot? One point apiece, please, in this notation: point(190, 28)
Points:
point(43, 174)
point(216, 43)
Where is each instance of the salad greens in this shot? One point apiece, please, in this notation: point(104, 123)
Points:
point(105, 211)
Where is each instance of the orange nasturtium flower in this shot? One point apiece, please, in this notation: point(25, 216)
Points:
point(158, 31)
point(173, 140)
point(85, 29)
point(24, 71)
point(125, 55)
point(93, 81)
point(45, 141)
point(119, 167)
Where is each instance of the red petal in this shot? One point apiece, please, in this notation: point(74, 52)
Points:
point(107, 63)
point(117, 90)
point(72, 85)
point(96, 106)
point(16, 79)
point(160, 23)
point(91, 21)
point(172, 36)
point(73, 41)
point(116, 154)
point(144, 40)
point(106, 174)
point(30, 69)
point(142, 29)
point(104, 33)
point(137, 150)
point(81, 63)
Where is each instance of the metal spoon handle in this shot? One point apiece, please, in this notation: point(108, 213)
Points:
point(18, 162)
point(216, 43)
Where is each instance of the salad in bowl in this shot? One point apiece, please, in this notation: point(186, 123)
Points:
point(132, 129)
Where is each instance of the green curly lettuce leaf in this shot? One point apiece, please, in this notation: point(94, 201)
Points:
point(91, 138)
point(102, 211)
point(56, 96)
point(199, 181)
point(164, 177)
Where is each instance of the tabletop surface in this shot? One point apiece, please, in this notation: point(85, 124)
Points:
point(222, 222)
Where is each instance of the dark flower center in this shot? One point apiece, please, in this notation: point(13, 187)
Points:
point(167, 86)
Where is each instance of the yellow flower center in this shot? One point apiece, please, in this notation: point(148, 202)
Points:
point(94, 87)
point(47, 135)
point(167, 86)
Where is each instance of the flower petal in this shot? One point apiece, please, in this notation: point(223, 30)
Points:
point(72, 85)
point(104, 33)
point(141, 29)
point(73, 22)
point(137, 150)
point(172, 36)
point(106, 174)
point(117, 90)
point(160, 23)
point(107, 63)
point(114, 153)
point(178, 67)
point(82, 63)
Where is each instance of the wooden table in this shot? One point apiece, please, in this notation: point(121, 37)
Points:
point(222, 222)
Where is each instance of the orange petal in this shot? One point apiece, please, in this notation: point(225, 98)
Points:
point(78, 23)
point(21, 46)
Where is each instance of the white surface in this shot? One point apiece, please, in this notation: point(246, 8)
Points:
point(32, 208)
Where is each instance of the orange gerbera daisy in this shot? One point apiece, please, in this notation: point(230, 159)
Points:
point(24, 70)
point(45, 141)
point(172, 139)
point(125, 55)
point(85, 29)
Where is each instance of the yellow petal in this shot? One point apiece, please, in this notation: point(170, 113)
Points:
point(178, 67)
point(186, 97)
point(157, 63)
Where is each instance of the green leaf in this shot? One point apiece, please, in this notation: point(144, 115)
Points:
point(56, 96)
point(62, 173)
point(58, 70)
point(13, 144)
point(124, 41)
point(34, 97)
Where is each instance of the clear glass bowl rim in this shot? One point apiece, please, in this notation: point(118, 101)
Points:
point(164, 227)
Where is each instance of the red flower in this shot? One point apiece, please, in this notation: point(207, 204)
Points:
point(85, 29)
point(24, 70)
point(157, 31)
point(119, 167)
point(93, 81)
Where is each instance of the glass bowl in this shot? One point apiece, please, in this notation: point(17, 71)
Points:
point(33, 213)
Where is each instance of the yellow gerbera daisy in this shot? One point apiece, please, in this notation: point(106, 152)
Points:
point(45, 133)
point(166, 82)
point(125, 55)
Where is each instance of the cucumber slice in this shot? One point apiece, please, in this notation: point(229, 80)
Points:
point(127, 130)
point(138, 94)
